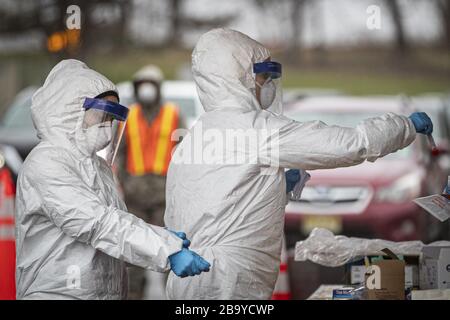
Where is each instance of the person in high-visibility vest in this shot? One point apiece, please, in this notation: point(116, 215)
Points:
point(145, 153)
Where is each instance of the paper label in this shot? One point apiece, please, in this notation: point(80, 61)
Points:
point(436, 205)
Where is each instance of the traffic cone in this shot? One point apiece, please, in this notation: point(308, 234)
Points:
point(282, 289)
point(7, 241)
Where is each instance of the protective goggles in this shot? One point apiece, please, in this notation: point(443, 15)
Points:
point(272, 69)
point(268, 79)
point(103, 124)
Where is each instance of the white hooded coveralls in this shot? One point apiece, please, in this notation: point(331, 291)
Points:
point(233, 213)
point(73, 233)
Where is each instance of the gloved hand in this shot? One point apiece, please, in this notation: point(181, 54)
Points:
point(292, 177)
point(187, 263)
point(182, 236)
point(422, 122)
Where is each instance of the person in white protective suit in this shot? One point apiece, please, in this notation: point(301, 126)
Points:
point(234, 212)
point(73, 233)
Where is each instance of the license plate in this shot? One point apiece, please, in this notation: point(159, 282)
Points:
point(332, 223)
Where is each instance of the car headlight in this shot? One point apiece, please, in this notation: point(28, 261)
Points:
point(403, 189)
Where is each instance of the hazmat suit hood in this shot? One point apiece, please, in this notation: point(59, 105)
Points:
point(222, 66)
point(57, 107)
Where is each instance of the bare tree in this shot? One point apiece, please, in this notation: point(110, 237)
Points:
point(175, 22)
point(296, 9)
point(443, 7)
point(401, 44)
point(180, 22)
point(296, 22)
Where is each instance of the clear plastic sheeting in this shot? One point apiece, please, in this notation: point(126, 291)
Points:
point(324, 248)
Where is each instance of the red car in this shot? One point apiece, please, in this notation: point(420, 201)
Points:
point(370, 200)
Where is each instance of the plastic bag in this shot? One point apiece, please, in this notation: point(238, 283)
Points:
point(326, 249)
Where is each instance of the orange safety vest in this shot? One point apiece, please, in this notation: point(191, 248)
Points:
point(149, 145)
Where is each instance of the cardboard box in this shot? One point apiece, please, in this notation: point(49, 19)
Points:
point(435, 268)
point(411, 276)
point(385, 280)
point(433, 294)
point(357, 270)
point(357, 275)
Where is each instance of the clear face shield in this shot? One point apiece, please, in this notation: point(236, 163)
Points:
point(268, 85)
point(103, 127)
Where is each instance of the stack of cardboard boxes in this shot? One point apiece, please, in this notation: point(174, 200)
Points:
point(387, 276)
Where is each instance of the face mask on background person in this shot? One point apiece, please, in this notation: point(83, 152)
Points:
point(147, 93)
point(267, 93)
point(98, 136)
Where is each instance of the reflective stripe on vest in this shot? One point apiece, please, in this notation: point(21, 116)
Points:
point(7, 192)
point(149, 146)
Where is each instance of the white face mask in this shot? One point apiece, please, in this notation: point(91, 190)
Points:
point(98, 136)
point(267, 93)
point(147, 93)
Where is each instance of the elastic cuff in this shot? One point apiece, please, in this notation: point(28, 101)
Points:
point(412, 131)
point(174, 244)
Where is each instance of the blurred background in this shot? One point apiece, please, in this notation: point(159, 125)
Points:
point(343, 61)
point(321, 43)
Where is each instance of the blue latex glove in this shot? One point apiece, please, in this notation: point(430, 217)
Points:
point(422, 122)
point(187, 263)
point(292, 177)
point(182, 236)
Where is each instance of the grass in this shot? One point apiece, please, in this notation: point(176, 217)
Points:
point(358, 73)
point(358, 83)
point(122, 67)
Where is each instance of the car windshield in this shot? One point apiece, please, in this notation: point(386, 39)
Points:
point(186, 105)
point(18, 114)
point(346, 119)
